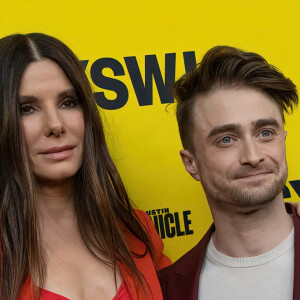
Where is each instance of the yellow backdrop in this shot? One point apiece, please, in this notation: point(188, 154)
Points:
point(122, 43)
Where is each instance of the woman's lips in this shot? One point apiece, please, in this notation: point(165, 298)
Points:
point(58, 153)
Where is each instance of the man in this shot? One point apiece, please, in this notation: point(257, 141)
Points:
point(230, 114)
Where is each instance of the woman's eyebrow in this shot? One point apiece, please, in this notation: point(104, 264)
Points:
point(30, 99)
point(25, 98)
point(67, 92)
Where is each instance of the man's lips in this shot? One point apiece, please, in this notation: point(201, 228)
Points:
point(252, 175)
point(58, 152)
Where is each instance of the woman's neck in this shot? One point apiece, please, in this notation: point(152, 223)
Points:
point(55, 200)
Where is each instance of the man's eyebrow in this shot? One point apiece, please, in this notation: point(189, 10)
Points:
point(265, 122)
point(223, 128)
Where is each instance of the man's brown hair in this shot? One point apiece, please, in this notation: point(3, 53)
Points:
point(222, 67)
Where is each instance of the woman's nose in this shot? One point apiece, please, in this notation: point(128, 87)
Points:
point(53, 123)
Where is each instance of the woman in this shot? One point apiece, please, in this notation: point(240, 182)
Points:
point(68, 230)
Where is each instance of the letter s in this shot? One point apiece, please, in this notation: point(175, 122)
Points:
point(109, 83)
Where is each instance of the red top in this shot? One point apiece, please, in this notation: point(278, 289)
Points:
point(146, 265)
point(122, 294)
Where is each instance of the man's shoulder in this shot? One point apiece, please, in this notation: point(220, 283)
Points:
point(180, 280)
point(290, 208)
point(189, 260)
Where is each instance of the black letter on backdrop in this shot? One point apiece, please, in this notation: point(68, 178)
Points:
point(170, 231)
point(189, 60)
point(109, 83)
point(144, 92)
point(286, 192)
point(177, 223)
point(187, 222)
point(296, 186)
point(84, 64)
point(161, 225)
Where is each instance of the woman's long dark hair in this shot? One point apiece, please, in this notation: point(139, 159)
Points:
point(101, 203)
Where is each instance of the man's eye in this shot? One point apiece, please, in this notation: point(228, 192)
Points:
point(70, 103)
point(226, 140)
point(26, 109)
point(265, 133)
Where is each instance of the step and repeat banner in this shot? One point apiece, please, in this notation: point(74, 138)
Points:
point(132, 52)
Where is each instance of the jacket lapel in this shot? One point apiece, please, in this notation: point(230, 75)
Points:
point(185, 273)
point(291, 209)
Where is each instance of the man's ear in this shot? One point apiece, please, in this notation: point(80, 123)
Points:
point(285, 134)
point(190, 164)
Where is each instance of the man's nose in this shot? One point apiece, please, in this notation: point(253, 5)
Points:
point(53, 123)
point(250, 153)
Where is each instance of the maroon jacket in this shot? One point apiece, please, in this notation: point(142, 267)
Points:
point(180, 281)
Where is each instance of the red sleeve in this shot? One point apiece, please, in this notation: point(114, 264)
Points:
point(160, 260)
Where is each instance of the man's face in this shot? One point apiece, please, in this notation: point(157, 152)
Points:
point(239, 147)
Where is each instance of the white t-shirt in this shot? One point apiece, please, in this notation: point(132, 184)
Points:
point(269, 276)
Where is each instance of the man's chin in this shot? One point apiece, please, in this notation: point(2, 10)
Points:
point(255, 196)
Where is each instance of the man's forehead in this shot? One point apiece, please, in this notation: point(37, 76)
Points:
point(241, 106)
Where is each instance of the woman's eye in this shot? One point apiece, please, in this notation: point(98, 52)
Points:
point(70, 103)
point(26, 109)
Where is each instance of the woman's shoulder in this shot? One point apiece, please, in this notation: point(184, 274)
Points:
point(145, 220)
point(159, 258)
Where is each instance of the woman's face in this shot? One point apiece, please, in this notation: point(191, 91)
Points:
point(52, 120)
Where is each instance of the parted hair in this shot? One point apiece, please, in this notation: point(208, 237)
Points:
point(102, 206)
point(229, 67)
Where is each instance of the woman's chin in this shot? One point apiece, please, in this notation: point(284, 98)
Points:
point(54, 178)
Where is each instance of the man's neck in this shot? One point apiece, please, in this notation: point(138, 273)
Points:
point(250, 232)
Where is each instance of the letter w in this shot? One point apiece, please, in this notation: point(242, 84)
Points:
point(144, 91)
